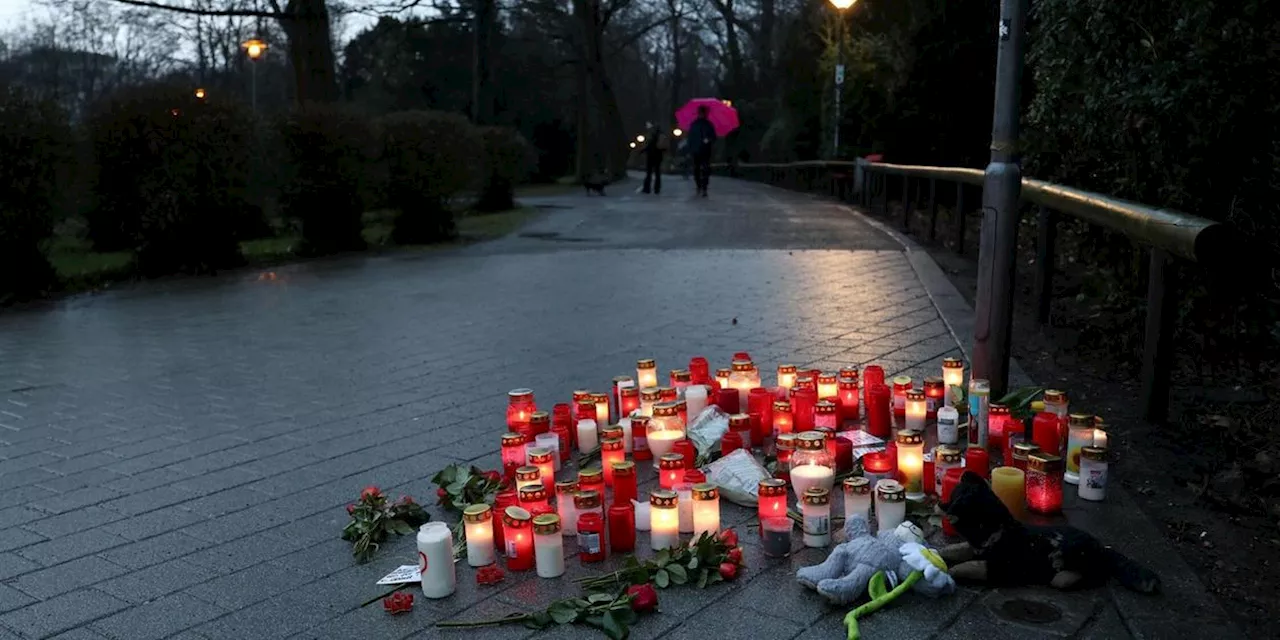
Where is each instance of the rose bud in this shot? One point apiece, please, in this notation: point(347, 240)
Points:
point(729, 537)
point(734, 555)
point(728, 571)
point(370, 493)
point(644, 598)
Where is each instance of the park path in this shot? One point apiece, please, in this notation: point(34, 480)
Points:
point(174, 457)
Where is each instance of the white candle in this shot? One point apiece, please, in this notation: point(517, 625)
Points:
point(695, 397)
point(948, 425)
point(706, 509)
point(816, 512)
point(807, 476)
point(625, 424)
point(1093, 473)
point(684, 493)
point(435, 560)
point(891, 505)
point(642, 514)
point(1100, 438)
point(588, 438)
point(478, 523)
point(565, 491)
point(857, 497)
point(646, 373)
point(548, 546)
point(548, 441)
point(661, 443)
point(917, 409)
point(664, 520)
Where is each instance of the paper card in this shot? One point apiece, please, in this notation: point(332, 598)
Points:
point(402, 574)
point(863, 442)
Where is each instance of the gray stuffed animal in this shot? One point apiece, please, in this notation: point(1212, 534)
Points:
point(842, 578)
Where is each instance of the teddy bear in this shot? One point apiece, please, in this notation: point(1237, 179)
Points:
point(843, 577)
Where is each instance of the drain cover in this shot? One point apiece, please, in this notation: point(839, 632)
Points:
point(1030, 611)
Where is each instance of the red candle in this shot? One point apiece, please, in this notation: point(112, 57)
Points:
point(977, 461)
point(512, 454)
point(562, 434)
point(998, 418)
point(685, 448)
point(742, 355)
point(1044, 483)
point(901, 385)
point(1045, 432)
point(622, 528)
point(693, 476)
point(539, 423)
point(848, 400)
point(670, 470)
point(629, 399)
point(616, 397)
point(878, 465)
point(517, 524)
point(562, 414)
point(587, 410)
point(591, 538)
point(520, 405)
point(722, 382)
point(699, 370)
point(760, 406)
point(727, 400)
point(504, 499)
point(928, 473)
point(934, 390)
point(681, 378)
point(580, 395)
point(803, 402)
point(534, 498)
point(949, 481)
point(624, 482)
point(612, 451)
point(773, 498)
point(591, 479)
point(786, 446)
point(729, 443)
point(782, 418)
point(682, 410)
point(740, 423)
point(640, 438)
point(872, 375)
point(879, 417)
point(668, 394)
point(844, 454)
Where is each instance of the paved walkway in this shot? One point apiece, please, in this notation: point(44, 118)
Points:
point(174, 457)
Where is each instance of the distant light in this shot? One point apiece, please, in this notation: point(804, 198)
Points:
point(199, 94)
point(843, 4)
point(254, 48)
point(633, 145)
point(727, 103)
point(640, 138)
point(677, 132)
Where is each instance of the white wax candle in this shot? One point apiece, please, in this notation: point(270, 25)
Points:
point(684, 493)
point(435, 560)
point(890, 514)
point(568, 513)
point(625, 423)
point(588, 438)
point(916, 412)
point(695, 398)
point(642, 515)
point(1100, 438)
point(808, 476)
point(549, 441)
point(664, 525)
point(661, 443)
point(948, 425)
point(706, 517)
point(480, 551)
point(817, 524)
point(548, 555)
point(646, 378)
point(857, 503)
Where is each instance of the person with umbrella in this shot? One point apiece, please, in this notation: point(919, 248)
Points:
point(705, 119)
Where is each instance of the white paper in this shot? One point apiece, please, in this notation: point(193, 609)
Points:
point(404, 573)
point(863, 442)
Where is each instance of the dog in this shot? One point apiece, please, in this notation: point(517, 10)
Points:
point(1002, 551)
point(594, 185)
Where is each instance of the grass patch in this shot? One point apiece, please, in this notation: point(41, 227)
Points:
point(270, 249)
point(79, 267)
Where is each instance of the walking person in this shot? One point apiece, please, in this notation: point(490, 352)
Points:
point(655, 147)
point(702, 140)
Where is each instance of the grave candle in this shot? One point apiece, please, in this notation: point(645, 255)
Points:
point(640, 438)
point(1022, 452)
point(686, 449)
point(670, 470)
point(829, 441)
point(528, 476)
point(1044, 483)
point(504, 499)
point(548, 546)
point(740, 378)
point(916, 411)
point(1093, 473)
point(664, 429)
point(624, 481)
point(803, 403)
point(611, 453)
point(998, 419)
point(760, 407)
point(843, 454)
point(857, 497)
point(891, 505)
point(878, 410)
point(649, 397)
point(550, 442)
point(545, 461)
point(588, 439)
point(824, 415)
point(435, 560)
point(828, 387)
point(1055, 402)
point(805, 380)
point(901, 385)
point(520, 404)
point(628, 440)
point(727, 400)
point(871, 375)
point(786, 449)
point(811, 465)
point(615, 398)
point(566, 490)
point(781, 418)
point(741, 355)
point(591, 538)
point(534, 499)
point(848, 399)
point(700, 370)
point(611, 432)
point(816, 512)
point(979, 403)
point(1012, 439)
point(1045, 433)
point(878, 465)
point(949, 482)
point(622, 528)
point(722, 380)
point(518, 534)
point(664, 520)
point(1100, 438)
point(580, 396)
point(740, 423)
point(911, 462)
point(978, 461)
point(562, 421)
point(591, 479)
point(680, 379)
point(945, 458)
point(477, 521)
point(729, 443)
point(646, 373)
point(786, 376)
point(684, 494)
point(642, 514)
point(539, 423)
point(775, 536)
point(934, 392)
point(1079, 435)
point(948, 425)
point(695, 396)
point(706, 509)
point(772, 498)
point(952, 379)
point(682, 410)
point(1009, 484)
point(589, 502)
point(602, 408)
point(629, 399)
point(513, 454)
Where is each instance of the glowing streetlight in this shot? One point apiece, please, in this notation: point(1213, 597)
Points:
point(633, 145)
point(727, 103)
point(677, 132)
point(640, 138)
point(842, 4)
point(200, 93)
point(254, 48)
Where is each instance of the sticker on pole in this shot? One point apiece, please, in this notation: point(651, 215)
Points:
point(1004, 30)
point(839, 74)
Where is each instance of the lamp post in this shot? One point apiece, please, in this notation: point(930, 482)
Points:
point(841, 6)
point(254, 48)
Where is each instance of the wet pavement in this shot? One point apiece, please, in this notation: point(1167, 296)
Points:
point(175, 456)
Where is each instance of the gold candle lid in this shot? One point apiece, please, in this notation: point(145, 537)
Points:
point(587, 499)
point(916, 395)
point(857, 485)
point(665, 410)
point(512, 439)
point(581, 394)
point(1044, 463)
point(824, 407)
point(902, 381)
point(1080, 421)
point(933, 382)
point(848, 383)
point(546, 524)
point(611, 444)
point(639, 422)
point(681, 375)
point(623, 468)
point(477, 513)
point(705, 491)
point(910, 437)
point(539, 417)
point(628, 392)
point(591, 475)
point(532, 493)
point(786, 441)
point(539, 454)
point(849, 373)
point(520, 394)
point(620, 379)
point(782, 406)
point(743, 365)
point(1099, 423)
point(652, 394)
point(600, 398)
point(817, 496)
point(997, 409)
point(723, 373)
point(1094, 453)
point(527, 473)
point(516, 517)
point(610, 432)
point(772, 487)
point(891, 491)
point(811, 441)
point(826, 378)
point(952, 363)
point(739, 420)
point(1055, 395)
point(567, 487)
point(663, 498)
point(786, 368)
point(949, 454)
point(646, 363)
point(671, 461)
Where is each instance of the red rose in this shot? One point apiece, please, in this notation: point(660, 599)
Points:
point(490, 575)
point(493, 477)
point(370, 493)
point(734, 556)
point(728, 571)
point(729, 537)
point(643, 597)
point(406, 500)
point(398, 602)
point(442, 494)
point(351, 508)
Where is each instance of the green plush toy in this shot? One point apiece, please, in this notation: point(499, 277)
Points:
point(926, 572)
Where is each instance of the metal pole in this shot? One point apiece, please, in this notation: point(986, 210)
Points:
point(253, 90)
point(835, 149)
point(1001, 191)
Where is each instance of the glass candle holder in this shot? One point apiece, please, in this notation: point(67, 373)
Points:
point(611, 452)
point(435, 549)
point(917, 410)
point(828, 387)
point(730, 442)
point(1093, 473)
point(786, 376)
point(622, 528)
point(629, 400)
point(1009, 484)
point(640, 438)
point(601, 401)
point(948, 426)
point(696, 400)
point(891, 505)
point(589, 502)
point(664, 520)
point(772, 498)
point(566, 490)
point(722, 378)
point(782, 418)
point(551, 442)
point(646, 373)
point(700, 370)
point(848, 405)
point(528, 476)
point(945, 458)
point(879, 465)
point(805, 380)
point(872, 374)
point(706, 509)
point(520, 405)
point(588, 435)
point(1022, 452)
point(591, 479)
point(811, 465)
point(775, 536)
point(685, 448)
point(901, 385)
point(829, 441)
point(611, 432)
point(1055, 402)
point(1046, 432)
point(911, 462)
point(843, 454)
point(545, 461)
point(879, 410)
point(825, 416)
point(815, 510)
point(664, 429)
point(786, 449)
point(670, 470)
point(1012, 438)
point(740, 423)
point(681, 379)
point(548, 546)
point(1044, 483)
point(804, 402)
point(740, 378)
point(950, 481)
point(857, 497)
point(580, 396)
point(684, 496)
point(649, 397)
point(477, 521)
point(534, 499)
point(977, 460)
point(615, 398)
point(624, 481)
point(760, 407)
point(505, 498)
point(998, 419)
point(979, 403)
point(682, 411)
point(591, 538)
point(1079, 435)
point(517, 525)
point(952, 379)
point(727, 400)
point(563, 448)
point(934, 392)
point(668, 394)
point(539, 423)
point(513, 454)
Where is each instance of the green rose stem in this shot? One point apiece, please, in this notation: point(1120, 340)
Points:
point(515, 617)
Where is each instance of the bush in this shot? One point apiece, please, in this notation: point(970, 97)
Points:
point(432, 157)
point(328, 151)
point(507, 161)
point(35, 143)
point(172, 179)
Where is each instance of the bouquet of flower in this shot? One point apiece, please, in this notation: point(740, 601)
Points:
point(373, 517)
point(459, 486)
point(710, 559)
point(611, 613)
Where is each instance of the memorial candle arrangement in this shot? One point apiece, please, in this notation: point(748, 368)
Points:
point(891, 505)
point(1079, 435)
point(857, 497)
point(815, 509)
point(1009, 484)
point(952, 379)
point(513, 454)
point(786, 376)
point(1093, 474)
point(646, 373)
point(706, 509)
point(664, 520)
point(545, 461)
point(1044, 483)
point(670, 470)
point(566, 490)
point(979, 403)
point(911, 462)
point(517, 527)
point(828, 387)
point(849, 407)
point(624, 482)
point(477, 521)
point(772, 498)
point(548, 546)
point(611, 453)
point(945, 458)
point(520, 405)
point(664, 429)
point(782, 418)
point(934, 394)
point(435, 560)
point(811, 465)
point(917, 410)
point(824, 416)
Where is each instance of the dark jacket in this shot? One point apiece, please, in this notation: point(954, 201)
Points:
point(701, 136)
point(654, 144)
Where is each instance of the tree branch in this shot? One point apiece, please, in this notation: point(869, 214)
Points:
point(246, 13)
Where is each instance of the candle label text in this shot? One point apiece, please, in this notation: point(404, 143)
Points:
point(589, 543)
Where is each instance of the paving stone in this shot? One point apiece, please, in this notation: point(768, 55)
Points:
point(158, 618)
point(158, 580)
point(61, 613)
point(243, 588)
point(73, 521)
point(154, 523)
point(67, 576)
point(11, 598)
point(145, 553)
point(75, 545)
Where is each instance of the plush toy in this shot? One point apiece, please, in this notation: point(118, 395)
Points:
point(921, 570)
point(844, 575)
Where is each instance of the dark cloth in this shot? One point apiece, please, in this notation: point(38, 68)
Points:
point(653, 143)
point(653, 171)
point(702, 137)
point(702, 169)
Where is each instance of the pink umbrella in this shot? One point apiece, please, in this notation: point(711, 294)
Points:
point(722, 116)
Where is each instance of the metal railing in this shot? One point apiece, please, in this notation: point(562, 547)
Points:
point(1165, 233)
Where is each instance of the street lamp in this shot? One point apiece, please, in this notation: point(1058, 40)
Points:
point(254, 48)
point(640, 138)
point(677, 132)
point(841, 6)
point(200, 93)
